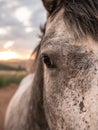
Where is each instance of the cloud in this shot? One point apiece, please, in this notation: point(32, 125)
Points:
point(19, 22)
point(29, 29)
point(3, 31)
point(8, 45)
point(23, 14)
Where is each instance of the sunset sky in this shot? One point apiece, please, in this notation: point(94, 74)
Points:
point(19, 27)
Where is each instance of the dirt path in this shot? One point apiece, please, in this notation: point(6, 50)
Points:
point(6, 94)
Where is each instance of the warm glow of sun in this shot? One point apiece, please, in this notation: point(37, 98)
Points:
point(8, 55)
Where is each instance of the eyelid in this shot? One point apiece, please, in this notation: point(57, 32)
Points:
point(43, 54)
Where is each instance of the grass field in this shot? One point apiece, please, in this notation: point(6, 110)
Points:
point(9, 77)
point(7, 67)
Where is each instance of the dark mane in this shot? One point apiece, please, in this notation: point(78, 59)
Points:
point(82, 17)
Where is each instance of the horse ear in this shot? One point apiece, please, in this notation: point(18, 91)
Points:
point(51, 5)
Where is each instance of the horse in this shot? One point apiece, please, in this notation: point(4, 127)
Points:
point(62, 94)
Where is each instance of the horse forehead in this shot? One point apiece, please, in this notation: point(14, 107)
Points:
point(56, 33)
point(56, 26)
point(58, 30)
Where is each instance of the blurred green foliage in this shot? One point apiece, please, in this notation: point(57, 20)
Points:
point(6, 67)
point(7, 80)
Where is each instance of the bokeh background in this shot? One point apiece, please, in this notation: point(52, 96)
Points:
point(20, 22)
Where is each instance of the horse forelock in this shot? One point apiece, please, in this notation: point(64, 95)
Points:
point(80, 15)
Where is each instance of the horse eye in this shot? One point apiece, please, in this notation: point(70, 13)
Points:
point(47, 61)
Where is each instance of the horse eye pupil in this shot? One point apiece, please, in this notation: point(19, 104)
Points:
point(47, 61)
